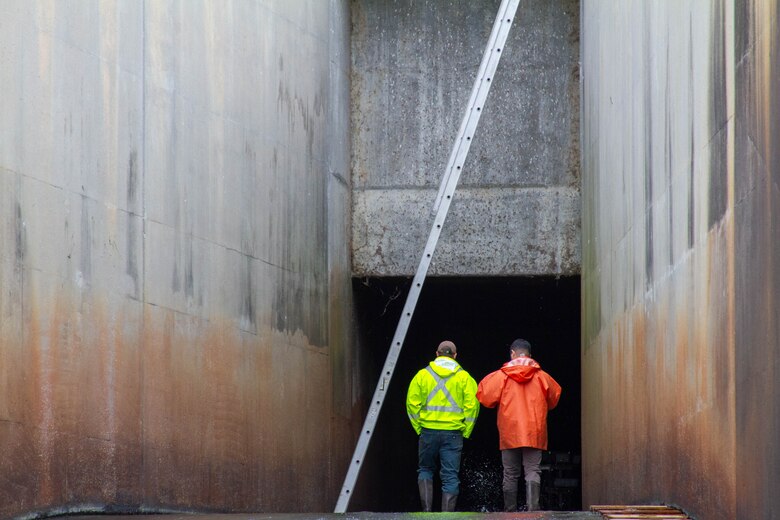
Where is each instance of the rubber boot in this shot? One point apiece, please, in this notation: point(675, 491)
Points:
point(426, 494)
point(532, 496)
point(448, 502)
point(510, 500)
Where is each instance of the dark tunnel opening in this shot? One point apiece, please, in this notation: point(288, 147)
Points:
point(482, 316)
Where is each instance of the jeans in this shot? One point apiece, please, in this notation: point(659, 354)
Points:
point(440, 446)
point(517, 459)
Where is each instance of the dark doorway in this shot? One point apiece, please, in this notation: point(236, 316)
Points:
point(482, 316)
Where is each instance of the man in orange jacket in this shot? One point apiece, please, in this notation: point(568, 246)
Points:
point(523, 393)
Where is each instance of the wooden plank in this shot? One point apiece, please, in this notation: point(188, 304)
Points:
point(639, 512)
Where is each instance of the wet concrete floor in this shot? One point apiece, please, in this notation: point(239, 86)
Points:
point(536, 515)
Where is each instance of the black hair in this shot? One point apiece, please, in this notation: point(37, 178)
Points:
point(520, 344)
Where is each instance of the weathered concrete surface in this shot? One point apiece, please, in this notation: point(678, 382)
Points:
point(175, 313)
point(516, 211)
point(680, 194)
point(757, 269)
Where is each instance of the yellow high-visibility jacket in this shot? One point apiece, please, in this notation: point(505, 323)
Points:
point(443, 396)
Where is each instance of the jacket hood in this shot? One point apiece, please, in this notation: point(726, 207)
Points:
point(444, 366)
point(521, 369)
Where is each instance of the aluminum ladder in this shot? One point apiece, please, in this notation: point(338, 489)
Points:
point(460, 149)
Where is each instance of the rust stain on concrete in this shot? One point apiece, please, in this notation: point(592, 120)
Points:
point(664, 407)
point(224, 410)
point(114, 406)
point(696, 348)
point(73, 431)
point(757, 277)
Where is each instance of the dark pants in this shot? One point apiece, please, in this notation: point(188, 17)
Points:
point(440, 446)
point(515, 461)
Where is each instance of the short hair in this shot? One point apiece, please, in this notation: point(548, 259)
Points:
point(446, 348)
point(520, 345)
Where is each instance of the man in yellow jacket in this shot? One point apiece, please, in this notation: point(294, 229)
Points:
point(442, 407)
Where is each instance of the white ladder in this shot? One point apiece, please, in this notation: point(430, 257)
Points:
point(460, 150)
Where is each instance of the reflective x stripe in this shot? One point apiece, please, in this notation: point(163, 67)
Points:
point(443, 408)
point(440, 385)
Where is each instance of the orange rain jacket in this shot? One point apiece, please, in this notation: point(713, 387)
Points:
point(524, 393)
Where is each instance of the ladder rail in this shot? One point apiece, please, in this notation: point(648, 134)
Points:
point(485, 74)
point(480, 90)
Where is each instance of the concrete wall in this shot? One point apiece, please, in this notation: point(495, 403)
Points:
point(516, 210)
point(680, 281)
point(175, 314)
point(757, 270)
